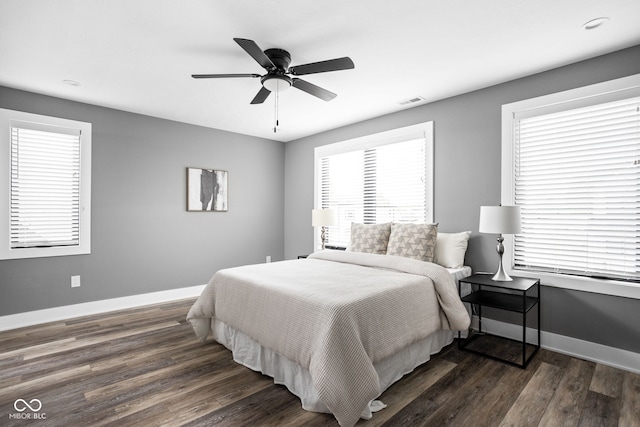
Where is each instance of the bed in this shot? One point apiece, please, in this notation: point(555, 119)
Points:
point(337, 328)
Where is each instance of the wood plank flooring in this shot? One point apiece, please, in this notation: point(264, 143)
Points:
point(144, 366)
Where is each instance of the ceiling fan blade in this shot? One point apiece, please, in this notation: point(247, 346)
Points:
point(256, 53)
point(262, 94)
point(323, 66)
point(221, 76)
point(313, 90)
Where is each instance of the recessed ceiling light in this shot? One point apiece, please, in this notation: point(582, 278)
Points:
point(595, 23)
point(71, 82)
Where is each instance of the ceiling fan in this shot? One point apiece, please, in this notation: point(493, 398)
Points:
point(276, 63)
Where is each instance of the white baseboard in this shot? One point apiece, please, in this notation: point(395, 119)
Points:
point(610, 356)
point(30, 318)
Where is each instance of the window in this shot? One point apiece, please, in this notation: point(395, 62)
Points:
point(378, 178)
point(46, 186)
point(573, 166)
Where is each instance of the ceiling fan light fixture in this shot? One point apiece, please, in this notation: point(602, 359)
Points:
point(276, 83)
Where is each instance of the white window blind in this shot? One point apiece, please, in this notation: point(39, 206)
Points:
point(375, 185)
point(577, 180)
point(45, 186)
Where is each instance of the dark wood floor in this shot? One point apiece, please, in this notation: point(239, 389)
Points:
point(144, 366)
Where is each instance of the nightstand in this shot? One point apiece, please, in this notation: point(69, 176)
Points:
point(519, 296)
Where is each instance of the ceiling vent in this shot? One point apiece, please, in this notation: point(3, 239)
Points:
point(413, 100)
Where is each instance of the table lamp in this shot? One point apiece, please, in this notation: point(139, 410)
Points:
point(500, 220)
point(323, 218)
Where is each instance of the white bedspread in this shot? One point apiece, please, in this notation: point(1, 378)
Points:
point(336, 314)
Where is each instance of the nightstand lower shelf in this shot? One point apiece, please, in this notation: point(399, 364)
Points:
point(499, 348)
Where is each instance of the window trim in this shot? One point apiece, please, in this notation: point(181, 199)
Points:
point(574, 98)
point(84, 246)
point(420, 130)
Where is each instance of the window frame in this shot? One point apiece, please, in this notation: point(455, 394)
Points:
point(625, 87)
point(84, 245)
point(420, 130)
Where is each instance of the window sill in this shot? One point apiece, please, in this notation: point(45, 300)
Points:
point(83, 249)
point(584, 284)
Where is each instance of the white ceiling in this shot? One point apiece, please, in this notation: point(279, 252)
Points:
point(138, 55)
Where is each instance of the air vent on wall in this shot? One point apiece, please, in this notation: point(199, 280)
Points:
point(413, 100)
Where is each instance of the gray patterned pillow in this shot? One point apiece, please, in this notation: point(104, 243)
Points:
point(416, 241)
point(370, 238)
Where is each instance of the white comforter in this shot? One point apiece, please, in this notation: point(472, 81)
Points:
point(336, 314)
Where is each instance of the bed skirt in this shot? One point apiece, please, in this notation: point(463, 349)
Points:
point(297, 379)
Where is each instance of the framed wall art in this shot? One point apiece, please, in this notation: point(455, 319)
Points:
point(207, 190)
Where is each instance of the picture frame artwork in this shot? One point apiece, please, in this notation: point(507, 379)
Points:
point(207, 190)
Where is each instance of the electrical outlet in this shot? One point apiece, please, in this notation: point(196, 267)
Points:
point(268, 258)
point(75, 281)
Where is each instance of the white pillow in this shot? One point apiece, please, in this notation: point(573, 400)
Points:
point(451, 248)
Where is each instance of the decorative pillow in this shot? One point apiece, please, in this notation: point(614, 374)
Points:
point(451, 248)
point(371, 238)
point(413, 241)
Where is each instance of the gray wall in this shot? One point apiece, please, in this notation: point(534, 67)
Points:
point(143, 240)
point(467, 175)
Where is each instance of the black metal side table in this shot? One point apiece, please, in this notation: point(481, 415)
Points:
point(519, 296)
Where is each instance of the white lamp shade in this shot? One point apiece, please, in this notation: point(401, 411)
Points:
point(500, 219)
point(324, 217)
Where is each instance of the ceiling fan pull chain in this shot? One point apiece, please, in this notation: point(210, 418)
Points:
point(275, 112)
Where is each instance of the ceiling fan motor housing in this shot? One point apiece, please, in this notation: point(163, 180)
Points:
point(279, 57)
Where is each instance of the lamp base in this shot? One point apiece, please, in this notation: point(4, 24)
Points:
point(322, 237)
point(501, 275)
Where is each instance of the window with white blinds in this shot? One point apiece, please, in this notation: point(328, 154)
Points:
point(47, 201)
point(376, 183)
point(45, 187)
point(577, 181)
